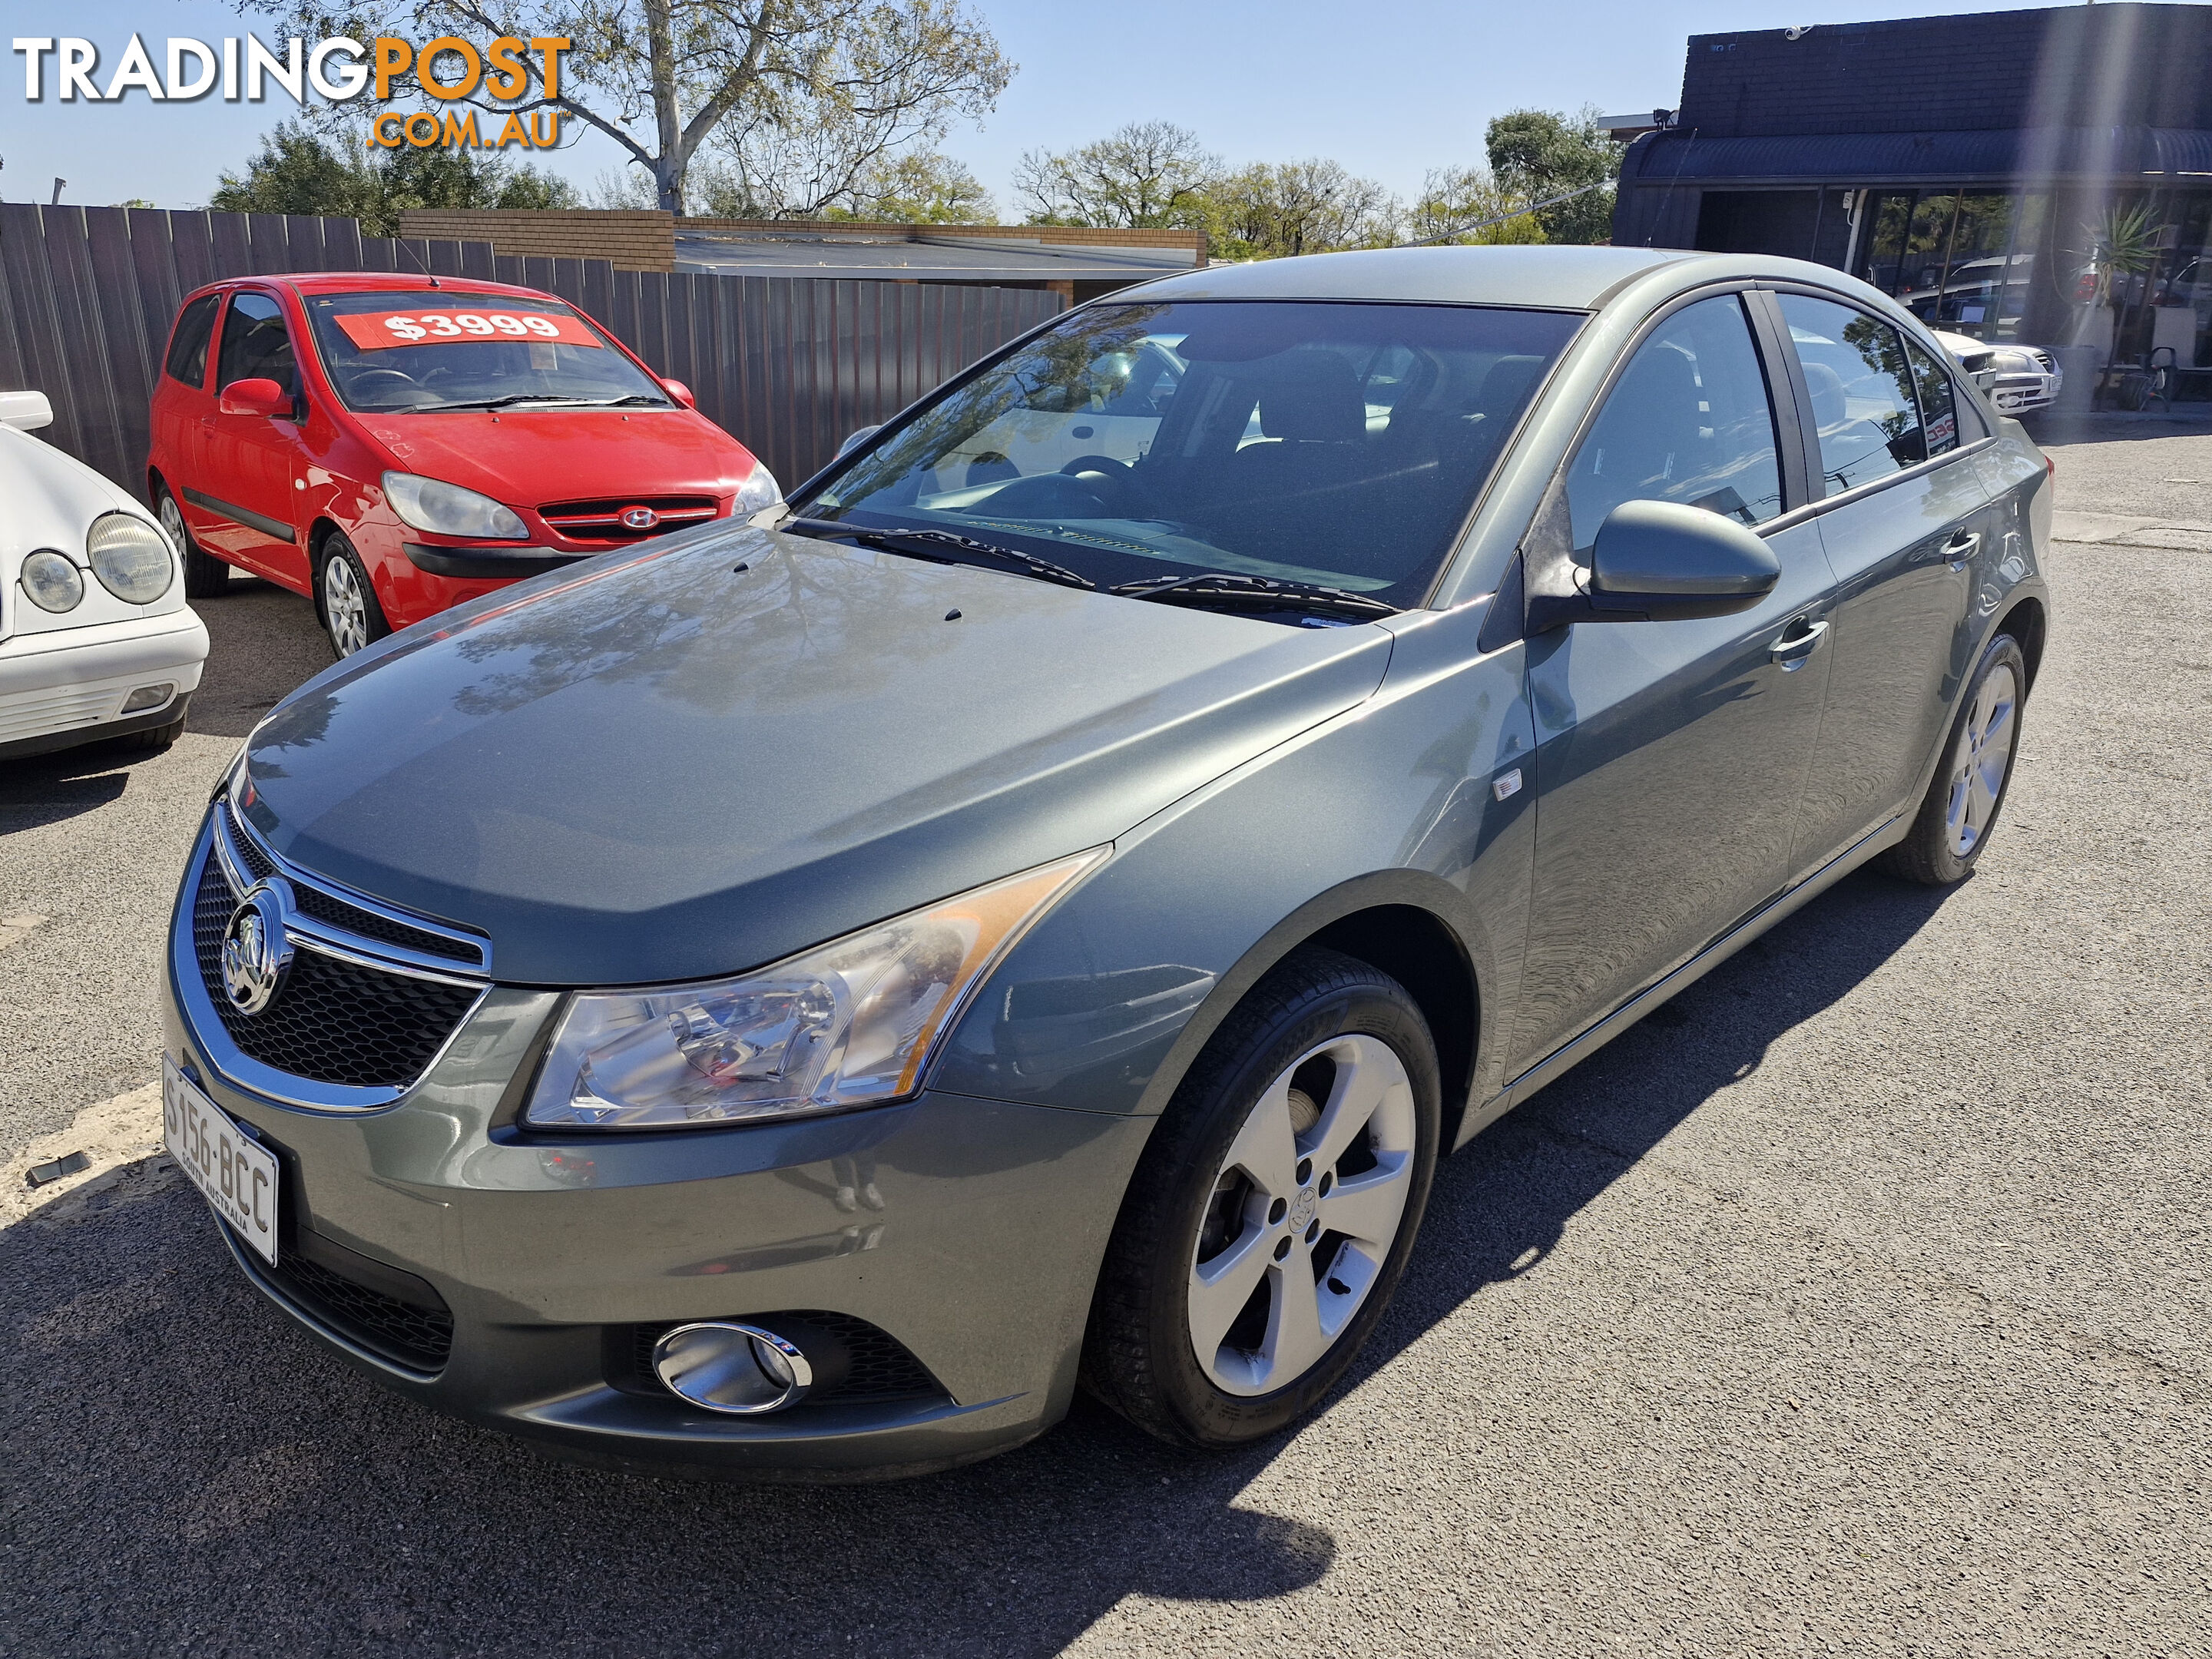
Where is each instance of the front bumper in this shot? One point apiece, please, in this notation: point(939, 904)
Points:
point(2019, 394)
point(967, 1231)
point(67, 686)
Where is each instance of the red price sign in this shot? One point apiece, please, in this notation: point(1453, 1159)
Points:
point(374, 331)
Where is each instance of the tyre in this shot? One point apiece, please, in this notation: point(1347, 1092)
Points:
point(206, 577)
point(1270, 1216)
point(351, 615)
point(1967, 792)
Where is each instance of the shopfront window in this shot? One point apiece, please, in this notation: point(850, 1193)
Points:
point(2028, 268)
point(1954, 258)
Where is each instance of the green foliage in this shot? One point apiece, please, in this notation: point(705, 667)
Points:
point(1453, 196)
point(1273, 211)
point(799, 95)
point(298, 171)
point(1148, 175)
point(2127, 239)
point(1157, 175)
point(1536, 154)
point(921, 188)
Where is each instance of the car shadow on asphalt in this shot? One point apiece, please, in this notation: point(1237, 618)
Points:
point(1504, 1203)
point(263, 641)
point(43, 789)
point(184, 1459)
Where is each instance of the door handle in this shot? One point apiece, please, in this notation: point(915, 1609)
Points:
point(1961, 548)
point(1796, 648)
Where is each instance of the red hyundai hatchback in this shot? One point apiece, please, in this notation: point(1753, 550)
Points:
point(392, 445)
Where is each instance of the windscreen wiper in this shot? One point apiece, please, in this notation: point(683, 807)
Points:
point(543, 398)
point(1253, 593)
point(890, 540)
point(505, 403)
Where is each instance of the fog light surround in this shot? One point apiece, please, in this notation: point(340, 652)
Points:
point(149, 696)
point(744, 1371)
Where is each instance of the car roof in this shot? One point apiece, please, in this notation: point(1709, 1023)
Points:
point(1567, 278)
point(381, 282)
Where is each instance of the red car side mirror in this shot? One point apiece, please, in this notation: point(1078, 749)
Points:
point(257, 397)
point(681, 393)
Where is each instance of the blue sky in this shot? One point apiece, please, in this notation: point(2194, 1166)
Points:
point(1389, 90)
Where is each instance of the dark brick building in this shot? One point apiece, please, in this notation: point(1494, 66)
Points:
point(1969, 165)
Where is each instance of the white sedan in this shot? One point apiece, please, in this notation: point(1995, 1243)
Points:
point(95, 638)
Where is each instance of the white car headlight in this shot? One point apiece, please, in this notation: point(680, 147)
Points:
point(447, 509)
point(52, 581)
point(848, 1024)
point(759, 491)
point(130, 556)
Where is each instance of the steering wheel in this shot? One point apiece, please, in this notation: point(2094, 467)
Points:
point(1121, 479)
point(362, 379)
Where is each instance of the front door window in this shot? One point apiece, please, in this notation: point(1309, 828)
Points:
point(1688, 421)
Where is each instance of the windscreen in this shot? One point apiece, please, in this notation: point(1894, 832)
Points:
point(408, 351)
point(1340, 444)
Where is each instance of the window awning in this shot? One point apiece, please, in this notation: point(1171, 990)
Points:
point(2000, 156)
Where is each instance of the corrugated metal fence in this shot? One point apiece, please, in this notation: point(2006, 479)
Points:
point(786, 365)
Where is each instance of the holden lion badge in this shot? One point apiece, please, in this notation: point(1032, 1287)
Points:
point(255, 952)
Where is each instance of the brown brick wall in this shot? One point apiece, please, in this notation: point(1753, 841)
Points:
point(631, 239)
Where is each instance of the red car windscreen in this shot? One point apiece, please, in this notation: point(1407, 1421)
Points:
point(374, 331)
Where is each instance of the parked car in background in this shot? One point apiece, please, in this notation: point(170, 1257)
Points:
point(797, 997)
point(2017, 380)
point(96, 641)
point(392, 445)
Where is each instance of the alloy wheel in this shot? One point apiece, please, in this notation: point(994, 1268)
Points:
point(172, 523)
point(345, 610)
point(1305, 1207)
point(1981, 760)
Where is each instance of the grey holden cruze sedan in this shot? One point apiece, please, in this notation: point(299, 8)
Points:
point(800, 998)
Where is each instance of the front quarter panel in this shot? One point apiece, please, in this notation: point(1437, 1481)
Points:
point(1106, 1004)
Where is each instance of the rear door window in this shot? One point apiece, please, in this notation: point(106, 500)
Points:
point(1865, 407)
point(1939, 405)
point(1689, 421)
point(188, 344)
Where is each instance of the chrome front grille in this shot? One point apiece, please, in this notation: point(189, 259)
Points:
point(250, 861)
point(333, 1021)
point(371, 998)
point(601, 520)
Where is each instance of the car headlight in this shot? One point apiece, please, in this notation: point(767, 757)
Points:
point(760, 490)
point(447, 509)
point(52, 581)
point(130, 556)
point(847, 1023)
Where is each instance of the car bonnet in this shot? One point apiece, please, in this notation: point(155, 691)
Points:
point(533, 456)
point(734, 743)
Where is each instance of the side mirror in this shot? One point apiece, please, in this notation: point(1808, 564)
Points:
point(681, 393)
point(24, 411)
point(256, 397)
point(854, 440)
point(1661, 561)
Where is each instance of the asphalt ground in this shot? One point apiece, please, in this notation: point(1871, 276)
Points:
point(1854, 1303)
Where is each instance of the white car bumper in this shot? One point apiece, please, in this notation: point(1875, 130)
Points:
point(2014, 394)
point(74, 680)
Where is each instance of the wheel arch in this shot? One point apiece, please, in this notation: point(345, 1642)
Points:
point(1407, 923)
point(319, 529)
point(2027, 621)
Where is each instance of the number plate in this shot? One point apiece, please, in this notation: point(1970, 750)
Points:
point(237, 1176)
